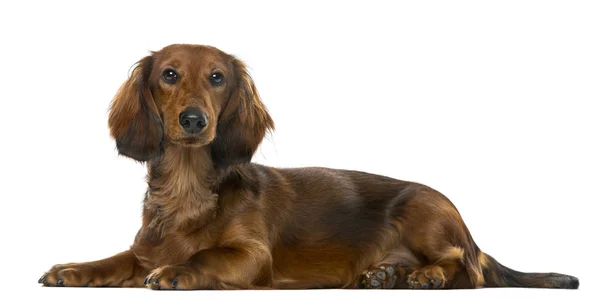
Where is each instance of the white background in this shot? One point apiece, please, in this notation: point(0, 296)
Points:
point(494, 103)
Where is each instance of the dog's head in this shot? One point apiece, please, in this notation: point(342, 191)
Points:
point(190, 95)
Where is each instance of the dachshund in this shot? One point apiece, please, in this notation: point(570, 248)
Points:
point(213, 220)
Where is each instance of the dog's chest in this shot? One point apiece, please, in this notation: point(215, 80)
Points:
point(172, 234)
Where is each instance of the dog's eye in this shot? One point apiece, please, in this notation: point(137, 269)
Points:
point(170, 76)
point(216, 78)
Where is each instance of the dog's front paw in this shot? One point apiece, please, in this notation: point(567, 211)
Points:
point(174, 277)
point(71, 274)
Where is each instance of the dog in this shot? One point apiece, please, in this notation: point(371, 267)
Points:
point(213, 220)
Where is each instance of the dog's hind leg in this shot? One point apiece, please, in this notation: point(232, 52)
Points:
point(433, 230)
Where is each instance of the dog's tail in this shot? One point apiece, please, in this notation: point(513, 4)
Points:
point(498, 275)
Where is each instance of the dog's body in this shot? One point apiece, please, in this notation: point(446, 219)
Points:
point(212, 220)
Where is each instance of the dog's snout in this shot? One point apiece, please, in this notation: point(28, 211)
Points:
point(193, 120)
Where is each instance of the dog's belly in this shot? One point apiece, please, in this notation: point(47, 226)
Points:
point(332, 250)
point(332, 266)
point(312, 266)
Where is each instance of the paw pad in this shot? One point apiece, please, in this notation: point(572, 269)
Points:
point(381, 277)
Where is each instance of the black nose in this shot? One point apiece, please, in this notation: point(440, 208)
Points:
point(193, 120)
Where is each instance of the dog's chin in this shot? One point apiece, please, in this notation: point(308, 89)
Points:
point(192, 141)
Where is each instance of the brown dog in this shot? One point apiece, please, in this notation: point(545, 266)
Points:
point(213, 220)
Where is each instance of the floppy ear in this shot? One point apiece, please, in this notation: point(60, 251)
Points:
point(134, 120)
point(242, 123)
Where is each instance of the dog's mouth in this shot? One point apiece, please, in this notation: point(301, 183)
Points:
point(187, 139)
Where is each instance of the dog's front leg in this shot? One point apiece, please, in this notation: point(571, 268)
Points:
point(234, 267)
point(121, 270)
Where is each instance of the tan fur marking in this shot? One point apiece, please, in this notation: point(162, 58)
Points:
point(450, 254)
point(483, 260)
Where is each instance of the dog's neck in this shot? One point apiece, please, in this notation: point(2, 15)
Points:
point(180, 193)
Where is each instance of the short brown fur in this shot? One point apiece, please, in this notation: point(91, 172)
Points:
point(213, 220)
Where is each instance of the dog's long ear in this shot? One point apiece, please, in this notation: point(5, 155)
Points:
point(134, 120)
point(242, 124)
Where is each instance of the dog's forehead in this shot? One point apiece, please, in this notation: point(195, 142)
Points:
point(193, 57)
